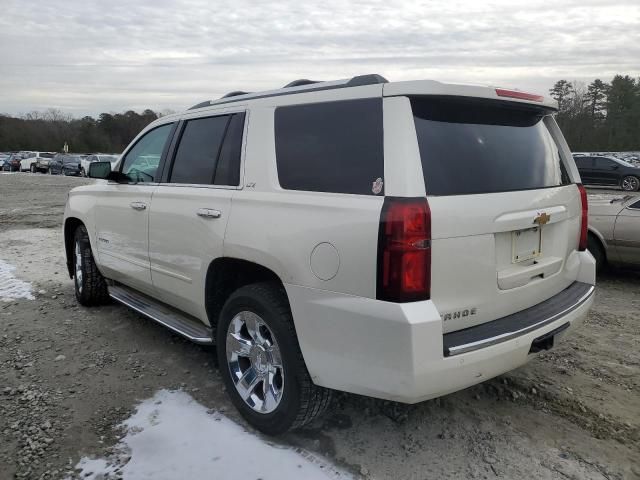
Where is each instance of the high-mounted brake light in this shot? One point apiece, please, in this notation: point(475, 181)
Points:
point(584, 219)
point(404, 250)
point(532, 97)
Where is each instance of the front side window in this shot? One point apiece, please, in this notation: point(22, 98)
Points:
point(141, 162)
point(331, 147)
point(604, 163)
point(469, 146)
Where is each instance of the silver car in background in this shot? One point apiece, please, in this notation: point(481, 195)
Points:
point(614, 229)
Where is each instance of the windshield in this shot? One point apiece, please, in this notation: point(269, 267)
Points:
point(46, 155)
point(71, 160)
point(469, 146)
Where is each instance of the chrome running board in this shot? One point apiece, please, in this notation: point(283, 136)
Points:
point(181, 323)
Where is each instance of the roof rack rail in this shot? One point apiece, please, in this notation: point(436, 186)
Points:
point(299, 83)
point(235, 93)
point(297, 86)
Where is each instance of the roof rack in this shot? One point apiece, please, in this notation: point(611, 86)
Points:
point(298, 83)
point(235, 93)
point(297, 86)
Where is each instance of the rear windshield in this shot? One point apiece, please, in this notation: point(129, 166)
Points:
point(469, 146)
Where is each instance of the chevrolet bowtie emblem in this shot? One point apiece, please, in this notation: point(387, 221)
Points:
point(542, 219)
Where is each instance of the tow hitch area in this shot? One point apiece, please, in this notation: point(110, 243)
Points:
point(545, 342)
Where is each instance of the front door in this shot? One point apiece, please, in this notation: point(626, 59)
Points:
point(122, 211)
point(190, 210)
point(627, 234)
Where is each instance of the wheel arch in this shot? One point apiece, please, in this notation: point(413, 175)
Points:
point(595, 234)
point(70, 226)
point(225, 275)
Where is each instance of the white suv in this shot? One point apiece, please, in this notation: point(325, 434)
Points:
point(397, 240)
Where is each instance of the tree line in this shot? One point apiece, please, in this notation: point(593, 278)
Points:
point(50, 130)
point(600, 116)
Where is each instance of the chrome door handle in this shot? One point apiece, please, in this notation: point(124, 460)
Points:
point(138, 205)
point(208, 213)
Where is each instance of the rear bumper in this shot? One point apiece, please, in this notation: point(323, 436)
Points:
point(397, 351)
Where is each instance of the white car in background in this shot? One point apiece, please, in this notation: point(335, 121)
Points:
point(27, 159)
point(99, 157)
point(35, 161)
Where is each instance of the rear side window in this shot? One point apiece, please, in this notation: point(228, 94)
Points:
point(469, 146)
point(197, 154)
point(331, 147)
point(209, 151)
point(228, 169)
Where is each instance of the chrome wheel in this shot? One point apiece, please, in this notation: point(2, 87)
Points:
point(78, 253)
point(630, 183)
point(254, 361)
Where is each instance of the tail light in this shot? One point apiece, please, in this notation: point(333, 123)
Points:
point(584, 220)
point(404, 250)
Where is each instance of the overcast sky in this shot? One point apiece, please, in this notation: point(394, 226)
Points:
point(86, 57)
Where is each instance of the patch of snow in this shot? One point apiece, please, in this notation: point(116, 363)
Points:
point(12, 288)
point(171, 436)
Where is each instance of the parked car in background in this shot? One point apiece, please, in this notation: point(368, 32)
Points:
point(98, 157)
point(614, 229)
point(14, 162)
point(35, 161)
point(63, 164)
point(607, 170)
point(26, 159)
point(42, 162)
point(397, 240)
point(5, 163)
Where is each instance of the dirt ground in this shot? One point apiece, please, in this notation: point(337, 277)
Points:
point(69, 374)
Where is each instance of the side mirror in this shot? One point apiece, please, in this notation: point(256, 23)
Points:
point(99, 170)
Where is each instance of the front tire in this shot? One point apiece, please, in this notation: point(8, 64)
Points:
point(630, 183)
point(90, 285)
point(32, 169)
point(261, 363)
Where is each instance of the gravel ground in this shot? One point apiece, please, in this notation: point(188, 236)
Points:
point(69, 374)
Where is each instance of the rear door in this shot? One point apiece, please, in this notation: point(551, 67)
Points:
point(585, 167)
point(191, 207)
point(606, 171)
point(505, 212)
point(122, 211)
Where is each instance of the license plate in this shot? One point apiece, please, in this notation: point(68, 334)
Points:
point(526, 244)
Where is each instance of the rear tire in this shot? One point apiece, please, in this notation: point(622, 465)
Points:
point(630, 183)
point(595, 247)
point(90, 285)
point(295, 400)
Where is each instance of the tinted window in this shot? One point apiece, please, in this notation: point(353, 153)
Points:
point(604, 162)
point(141, 162)
point(470, 146)
point(197, 154)
point(583, 162)
point(228, 169)
point(330, 147)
